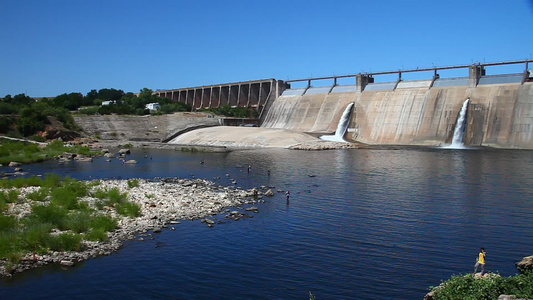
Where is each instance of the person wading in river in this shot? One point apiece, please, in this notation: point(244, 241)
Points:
point(480, 261)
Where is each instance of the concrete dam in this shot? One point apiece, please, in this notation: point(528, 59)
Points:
point(399, 112)
point(416, 112)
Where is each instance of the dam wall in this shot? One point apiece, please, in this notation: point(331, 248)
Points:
point(316, 111)
point(415, 112)
point(499, 115)
point(144, 128)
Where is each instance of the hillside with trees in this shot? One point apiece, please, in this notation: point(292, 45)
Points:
point(23, 116)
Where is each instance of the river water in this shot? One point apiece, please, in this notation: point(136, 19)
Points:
point(361, 224)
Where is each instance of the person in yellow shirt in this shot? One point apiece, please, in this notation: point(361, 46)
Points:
point(480, 261)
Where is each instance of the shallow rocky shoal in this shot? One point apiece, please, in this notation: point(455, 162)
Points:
point(162, 202)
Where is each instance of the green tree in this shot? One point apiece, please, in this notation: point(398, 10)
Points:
point(110, 94)
point(30, 121)
point(90, 97)
point(21, 100)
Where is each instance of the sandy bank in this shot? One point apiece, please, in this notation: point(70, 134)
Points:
point(243, 137)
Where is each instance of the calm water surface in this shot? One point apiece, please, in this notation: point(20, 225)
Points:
point(367, 224)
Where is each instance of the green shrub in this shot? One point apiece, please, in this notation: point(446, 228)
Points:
point(520, 285)
point(9, 244)
point(13, 258)
point(100, 194)
point(21, 182)
point(37, 236)
point(468, 287)
point(128, 209)
point(65, 242)
point(133, 183)
point(64, 197)
point(39, 195)
point(10, 196)
point(51, 180)
point(7, 223)
point(56, 145)
point(103, 222)
point(3, 205)
point(94, 183)
point(97, 234)
point(4, 151)
point(78, 221)
point(88, 110)
point(115, 196)
point(37, 138)
point(79, 188)
point(51, 214)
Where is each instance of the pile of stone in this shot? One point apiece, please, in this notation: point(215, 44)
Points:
point(525, 264)
point(163, 201)
point(324, 145)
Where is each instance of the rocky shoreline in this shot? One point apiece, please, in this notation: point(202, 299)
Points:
point(163, 201)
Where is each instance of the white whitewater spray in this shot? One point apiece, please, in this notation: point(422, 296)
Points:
point(341, 127)
point(457, 140)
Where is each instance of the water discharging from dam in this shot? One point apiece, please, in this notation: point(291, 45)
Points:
point(458, 133)
point(342, 127)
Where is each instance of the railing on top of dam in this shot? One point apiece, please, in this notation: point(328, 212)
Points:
point(260, 94)
point(476, 75)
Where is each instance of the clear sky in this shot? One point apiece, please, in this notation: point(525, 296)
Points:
point(50, 47)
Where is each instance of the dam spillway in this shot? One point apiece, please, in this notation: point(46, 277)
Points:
point(415, 112)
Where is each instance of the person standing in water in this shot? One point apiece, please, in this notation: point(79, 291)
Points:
point(480, 261)
point(288, 194)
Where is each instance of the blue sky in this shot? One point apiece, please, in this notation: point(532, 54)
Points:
point(49, 47)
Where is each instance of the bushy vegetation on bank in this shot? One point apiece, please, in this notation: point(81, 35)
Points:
point(468, 287)
point(23, 116)
point(128, 103)
point(59, 219)
point(29, 152)
point(236, 112)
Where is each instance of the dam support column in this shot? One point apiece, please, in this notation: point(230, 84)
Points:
point(362, 80)
point(475, 72)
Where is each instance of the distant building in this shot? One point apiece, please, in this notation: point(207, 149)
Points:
point(108, 102)
point(153, 106)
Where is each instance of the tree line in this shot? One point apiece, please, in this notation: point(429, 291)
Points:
point(25, 116)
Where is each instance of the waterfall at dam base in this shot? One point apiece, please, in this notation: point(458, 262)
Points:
point(341, 127)
point(458, 133)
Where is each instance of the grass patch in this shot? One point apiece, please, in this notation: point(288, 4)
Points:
point(78, 222)
point(25, 152)
point(65, 242)
point(133, 183)
point(10, 196)
point(7, 223)
point(47, 214)
point(128, 209)
point(39, 195)
point(97, 234)
point(103, 222)
point(64, 211)
point(114, 198)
